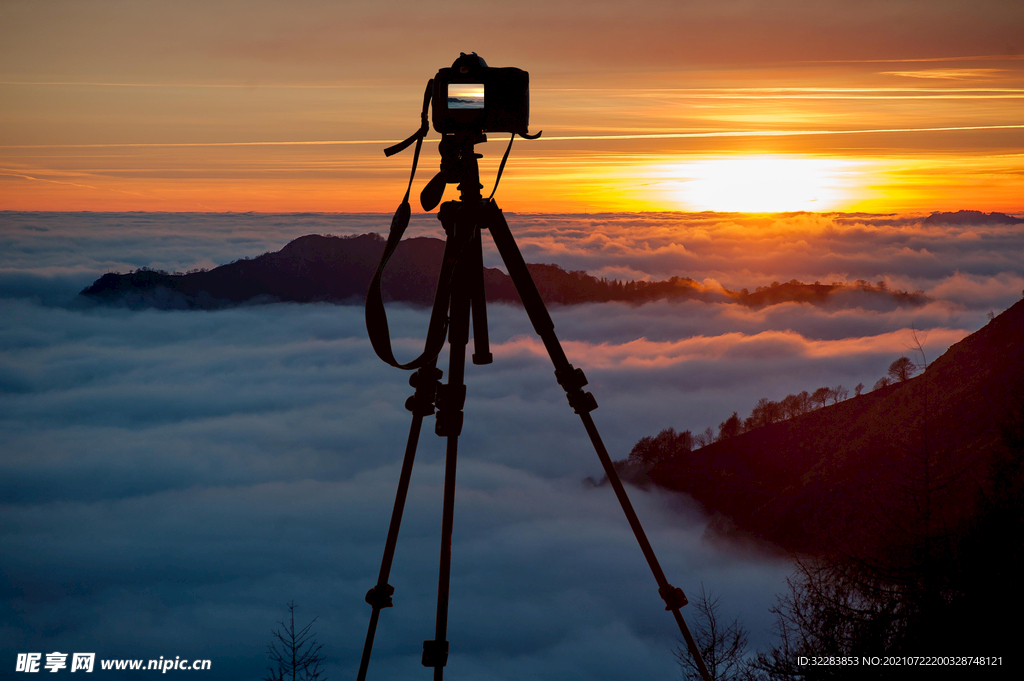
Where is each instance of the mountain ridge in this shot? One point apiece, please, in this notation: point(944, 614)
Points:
point(833, 477)
point(319, 268)
point(971, 217)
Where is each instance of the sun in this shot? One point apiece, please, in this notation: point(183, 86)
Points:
point(765, 184)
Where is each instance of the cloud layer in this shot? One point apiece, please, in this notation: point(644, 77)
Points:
point(171, 479)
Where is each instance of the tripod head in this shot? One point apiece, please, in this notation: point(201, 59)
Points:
point(458, 166)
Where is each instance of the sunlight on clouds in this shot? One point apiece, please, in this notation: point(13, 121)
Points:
point(642, 354)
point(947, 74)
point(763, 184)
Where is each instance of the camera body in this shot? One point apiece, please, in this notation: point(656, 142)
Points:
point(473, 97)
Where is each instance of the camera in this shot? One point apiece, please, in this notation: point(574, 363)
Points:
point(473, 97)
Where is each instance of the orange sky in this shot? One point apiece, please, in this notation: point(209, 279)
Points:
point(729, 105)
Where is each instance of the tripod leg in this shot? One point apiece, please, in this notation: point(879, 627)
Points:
point(478, 302)
point(451, 398)
point(572, 381)
point(420, 404)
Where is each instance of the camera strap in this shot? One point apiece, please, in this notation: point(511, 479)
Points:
point(504, 159)
point(376, 316)
point(501, 168)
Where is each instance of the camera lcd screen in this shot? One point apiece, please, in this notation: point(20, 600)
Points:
point(465, 96)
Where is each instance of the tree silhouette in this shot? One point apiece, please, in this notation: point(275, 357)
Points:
point(730, 427)
point(723, 646)
point(765, 413)
point(832, 609)
point(794, 405)
point(666, 444)
point(294, 655)
point(821, 396)
point(703, 439)
point(902, 369)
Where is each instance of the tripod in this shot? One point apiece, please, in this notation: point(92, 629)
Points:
point(464, 221)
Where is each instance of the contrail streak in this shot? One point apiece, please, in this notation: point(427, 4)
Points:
point(550, 138)
point(777, 133)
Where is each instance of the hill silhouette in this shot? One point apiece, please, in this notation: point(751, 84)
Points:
point(317, 268)
point(841, 475)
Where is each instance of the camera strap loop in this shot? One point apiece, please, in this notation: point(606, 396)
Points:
point(419, 134)
point(415, 137)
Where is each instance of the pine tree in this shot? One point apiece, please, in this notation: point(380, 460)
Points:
point(294, 655)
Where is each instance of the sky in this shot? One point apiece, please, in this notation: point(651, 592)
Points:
point(895, 105)
point(169, 480)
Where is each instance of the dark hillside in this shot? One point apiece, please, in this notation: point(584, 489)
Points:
point(839, 475)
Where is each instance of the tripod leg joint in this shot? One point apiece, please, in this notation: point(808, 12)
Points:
point(673, 596)
point(380, 596)
point(435, 653)
point(426, 381)
point(450, 401)
point(572, 381)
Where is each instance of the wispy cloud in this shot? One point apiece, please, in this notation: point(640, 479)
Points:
point(947, 74)
point(188, 86)
point(549, 138)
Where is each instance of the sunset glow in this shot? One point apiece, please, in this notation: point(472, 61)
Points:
point(718, 106)
point(735, 207)
point(767, 184)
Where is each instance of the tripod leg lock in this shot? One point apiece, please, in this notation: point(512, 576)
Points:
point(673, 596)
point(426, 381)
point(450, 401)
point(572, 381)
point(435, 653)
point(380, 596)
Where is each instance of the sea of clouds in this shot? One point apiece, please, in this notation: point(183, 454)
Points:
point(171, 479)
